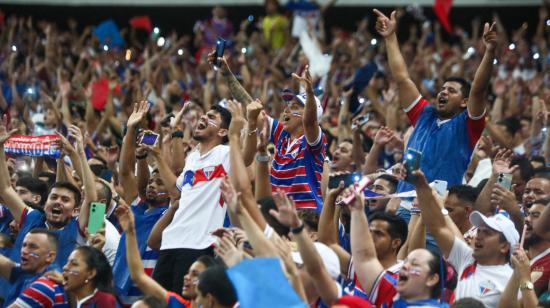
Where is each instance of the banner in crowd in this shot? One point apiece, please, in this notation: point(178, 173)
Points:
point(32, 146)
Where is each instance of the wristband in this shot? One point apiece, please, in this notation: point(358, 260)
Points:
point(263, 158)
point(142, 156)
point(299, 229)
point(177, 134)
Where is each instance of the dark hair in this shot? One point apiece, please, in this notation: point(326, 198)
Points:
point(543, 201)
point(214, 281)
point(95, 259)
point(391, 179)
point(310, 218)
point(50, 175)
point(207, 260)
point(35, 186)
point(52, 237)
point(397, 226)
point(464, 85)
point(542, 173)
point(503, 239)
point(511, 124)
point(267, 204)
point(153, 302)
point(464, 193)
point(226, 118)
point(539, 159)
point(105, 192)
point(525, 168)
point(467, 302)
point(447, 275)
point(70, 187)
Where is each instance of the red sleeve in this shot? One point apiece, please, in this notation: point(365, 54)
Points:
point(23, 216)
point(475, 128)
point(415, 109)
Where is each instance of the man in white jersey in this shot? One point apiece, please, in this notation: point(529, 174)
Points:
point(483, 271)
point(201, 207)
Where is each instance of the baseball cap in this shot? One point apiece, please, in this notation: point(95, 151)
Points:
point(498, 223)
point(287, 95)
point(329, 257)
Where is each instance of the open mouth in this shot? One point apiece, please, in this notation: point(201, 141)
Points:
point(478, 245)
point(57, 211)
point(441, 102)
point(403, 278)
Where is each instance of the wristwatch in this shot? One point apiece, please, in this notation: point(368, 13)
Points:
point(526, 285)
point(263, 158)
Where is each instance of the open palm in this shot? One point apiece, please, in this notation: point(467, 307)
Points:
point(140, 110)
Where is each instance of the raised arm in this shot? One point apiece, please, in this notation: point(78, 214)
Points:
point(235, 87)
point(128, 152)
point(145, 283)
point(311, 125)
point(168, 177)
point(432, 214)
point(386, 27)
point(365, 260)
point(476, 101)
point(250, 142)
point(7, 193)
point(155, 237)
point(323, 282)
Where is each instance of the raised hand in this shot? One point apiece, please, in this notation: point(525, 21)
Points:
point(264, 135)
point(286, 214)
point(75, 132)
point(63, 144)
point(502, 161)
point(305, 78)
point(490, 35)
point(237, 118)
point(520, 263)
point(224, 67)
point(125, 217)
point(383, 136)
point(176, 120)
point(97, 240)
point(230, 253)
point(358, 202)
point(140, 110)
point(385, 26)
point(230, 196)
point(4, 134)
point(504, 198)
point(253, 110)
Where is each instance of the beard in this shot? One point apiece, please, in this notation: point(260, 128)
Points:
point(533, 239)
point(59, 224)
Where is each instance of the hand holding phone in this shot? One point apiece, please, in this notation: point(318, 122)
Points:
point(220, 49)
point(505, 180)
point(149, 138)
point(412, 163)
point(96, 217)
point(360, 187)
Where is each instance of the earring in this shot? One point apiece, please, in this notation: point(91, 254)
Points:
point(86, 281)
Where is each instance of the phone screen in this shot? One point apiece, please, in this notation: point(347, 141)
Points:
point(349, 179)
point(149, 139)
point(220, 49)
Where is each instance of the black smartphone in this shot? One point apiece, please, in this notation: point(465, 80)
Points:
point(412, 163)
point(220, 49)
point(349, 179)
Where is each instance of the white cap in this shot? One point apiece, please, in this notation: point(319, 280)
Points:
point(302, 98)
point(329, 257)
point(498, 223)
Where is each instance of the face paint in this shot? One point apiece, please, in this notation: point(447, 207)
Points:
point(34, 255)
point(416, 271)
point(296, 114)
point(73, 272)
point(161, 194)
point(213, 123)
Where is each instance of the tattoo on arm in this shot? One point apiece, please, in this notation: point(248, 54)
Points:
point(237, 90)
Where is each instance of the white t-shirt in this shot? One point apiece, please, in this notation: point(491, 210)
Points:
point(482, 282)
point(112, 238)
point(202, 209)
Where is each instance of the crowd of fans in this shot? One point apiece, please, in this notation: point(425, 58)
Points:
point(250, 196)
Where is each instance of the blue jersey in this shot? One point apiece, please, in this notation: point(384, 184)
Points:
point(446, 145)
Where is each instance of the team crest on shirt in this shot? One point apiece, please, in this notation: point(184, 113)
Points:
point(208, 171)
point(193, 177)
point(486, 286)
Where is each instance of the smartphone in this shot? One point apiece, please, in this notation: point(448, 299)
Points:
point(360, 187)
point(440, 187)
point(362, 120)
point(505, 180)
point(349, 179)
point(220, 49)
point(412, 163)
point(149, 139)
point(96, 217)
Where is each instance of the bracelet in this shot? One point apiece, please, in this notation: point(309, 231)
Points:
point(141, 156)
point(263, 158)
point(299, 229)
point(251, 132)
point(177, 134)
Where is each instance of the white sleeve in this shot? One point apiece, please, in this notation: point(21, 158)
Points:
point(461, 255)
point(112, 239)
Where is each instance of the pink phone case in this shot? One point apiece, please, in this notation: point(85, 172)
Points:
point(365, 181)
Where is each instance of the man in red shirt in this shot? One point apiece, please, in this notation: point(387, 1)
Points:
point(538, 248)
